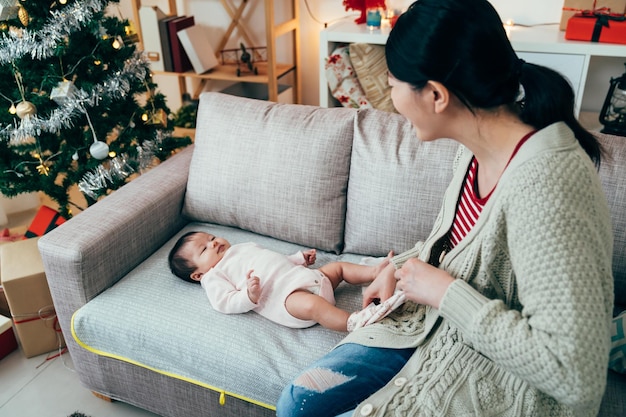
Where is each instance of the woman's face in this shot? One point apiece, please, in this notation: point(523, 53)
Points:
point(416, 106)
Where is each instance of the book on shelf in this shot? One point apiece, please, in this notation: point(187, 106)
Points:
point(150, 17)
point(259, 91)
point(164, 37)
point(180, 60)
point(198, 48)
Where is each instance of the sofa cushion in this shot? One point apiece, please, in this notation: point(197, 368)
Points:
point(154, 320)
point(393, 173)
point(244, 180)
point(613, 173)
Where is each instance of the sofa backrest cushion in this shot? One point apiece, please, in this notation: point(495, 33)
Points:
point(280, 170)
point(613, 177)
point(396, 184)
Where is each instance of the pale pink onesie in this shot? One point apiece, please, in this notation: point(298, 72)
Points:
point(280, 275)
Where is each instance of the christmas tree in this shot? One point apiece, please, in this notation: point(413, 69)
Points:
point(81, 106)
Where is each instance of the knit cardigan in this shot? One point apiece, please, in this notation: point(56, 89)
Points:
point(525, 327)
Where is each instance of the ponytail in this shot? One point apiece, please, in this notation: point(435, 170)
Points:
point(549, 98)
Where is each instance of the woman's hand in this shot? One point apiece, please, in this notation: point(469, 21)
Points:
point(423, 283)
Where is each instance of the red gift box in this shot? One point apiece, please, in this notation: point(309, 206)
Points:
point(45, 220)
point(596, 27)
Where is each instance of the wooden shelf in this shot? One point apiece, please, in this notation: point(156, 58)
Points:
point(228, 73)
point(269, 72)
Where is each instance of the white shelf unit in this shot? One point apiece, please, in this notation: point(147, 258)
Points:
point(545, 45)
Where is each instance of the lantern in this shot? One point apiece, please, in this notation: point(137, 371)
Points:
point(613, 113)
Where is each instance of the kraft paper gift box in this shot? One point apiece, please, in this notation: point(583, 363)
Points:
point(29, 298)
point(571, 7)
point(7, 338)
point(597, 28)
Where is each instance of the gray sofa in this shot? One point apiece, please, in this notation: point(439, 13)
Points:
point(353, 184)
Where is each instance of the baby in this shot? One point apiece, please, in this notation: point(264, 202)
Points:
point(246, 276)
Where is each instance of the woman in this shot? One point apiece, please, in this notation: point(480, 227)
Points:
point(511, 294)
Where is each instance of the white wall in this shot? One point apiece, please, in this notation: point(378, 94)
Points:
point(211, 15)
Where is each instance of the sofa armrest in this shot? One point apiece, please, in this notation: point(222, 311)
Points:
point(96, 248)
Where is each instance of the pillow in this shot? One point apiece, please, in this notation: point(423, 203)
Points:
point(371, 69)
point(617, 358)
point(342, 80)
point(392, 175)
point(280, 170)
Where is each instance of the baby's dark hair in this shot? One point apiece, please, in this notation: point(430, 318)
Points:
point(181, 267)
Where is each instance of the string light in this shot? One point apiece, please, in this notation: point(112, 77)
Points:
point(117, 43)
point(508, 25)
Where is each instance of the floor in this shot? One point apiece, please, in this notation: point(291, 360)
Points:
point(35, 387)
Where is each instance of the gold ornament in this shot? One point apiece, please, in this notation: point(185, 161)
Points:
point(25, 108)
point(159, 118)
point(42, 168)
point(23, 15)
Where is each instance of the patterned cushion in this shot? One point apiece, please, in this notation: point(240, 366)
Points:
point(371, 69)
point(244, 148)
point(392, 175)
point(342, 80)
point(617, 359)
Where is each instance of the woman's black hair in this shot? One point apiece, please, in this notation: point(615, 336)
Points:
point(181, 267)
point(463, 45)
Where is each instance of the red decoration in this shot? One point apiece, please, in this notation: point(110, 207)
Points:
point(45, 220)
point(362, 5)
point(597, 27)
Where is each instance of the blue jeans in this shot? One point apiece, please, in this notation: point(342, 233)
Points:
point(340, 380)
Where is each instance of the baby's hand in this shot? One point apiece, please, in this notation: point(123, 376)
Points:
point(309, 256)
point(254, 287)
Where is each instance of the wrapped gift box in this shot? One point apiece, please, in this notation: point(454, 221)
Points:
point(29, 298)
point(7, 338)
point(597, 28)
point(4, 305)
point(45, 220)
point(571, 7)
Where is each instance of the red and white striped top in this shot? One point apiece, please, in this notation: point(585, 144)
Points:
point(470, 203)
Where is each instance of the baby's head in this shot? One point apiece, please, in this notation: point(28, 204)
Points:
point(195, 253)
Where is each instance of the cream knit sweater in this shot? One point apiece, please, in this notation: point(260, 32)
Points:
point(524, 330)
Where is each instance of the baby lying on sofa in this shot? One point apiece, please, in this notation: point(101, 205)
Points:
point(246, 276)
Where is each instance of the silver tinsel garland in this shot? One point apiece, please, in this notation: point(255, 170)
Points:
point(118, 168)
point(41, 44)
point(116, 85)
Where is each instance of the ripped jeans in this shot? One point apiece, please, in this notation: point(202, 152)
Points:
point(340, 380)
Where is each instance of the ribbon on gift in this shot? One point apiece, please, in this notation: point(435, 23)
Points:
point(46, 313)
point(602, 21)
